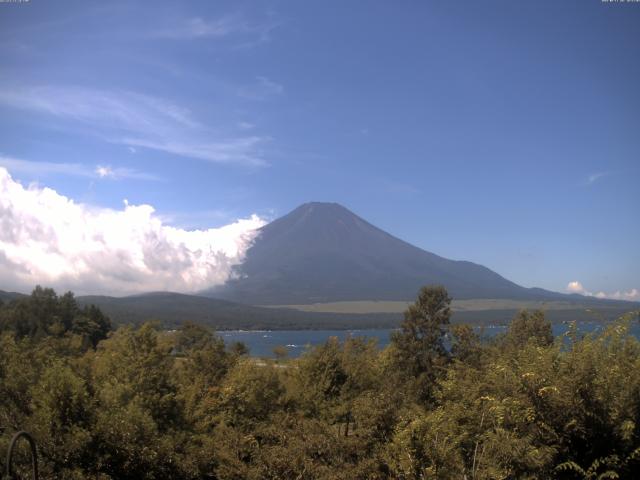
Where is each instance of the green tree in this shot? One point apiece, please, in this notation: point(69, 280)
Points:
point(238, 349)
point(138, 410)
point(61, 420)
point(418, 348)
point(44, 314)
point(281, 352)
point(529, 327)
point(200, 372)
point(91, 324)
point(466, 345)
point(250, 393)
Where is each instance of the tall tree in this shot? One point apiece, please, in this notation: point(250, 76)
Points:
point(530, 327)
point(418, 348)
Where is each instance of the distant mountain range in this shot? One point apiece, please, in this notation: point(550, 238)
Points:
point(173, 309)
point(8, 296)
point(322, 252)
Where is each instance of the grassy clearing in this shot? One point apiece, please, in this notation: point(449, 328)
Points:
point(374, 306)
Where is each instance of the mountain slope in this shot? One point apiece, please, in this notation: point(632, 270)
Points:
point(8, 296)
point(322, 252)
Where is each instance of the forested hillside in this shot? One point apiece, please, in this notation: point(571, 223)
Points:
point(142, 403)
point(173, 309)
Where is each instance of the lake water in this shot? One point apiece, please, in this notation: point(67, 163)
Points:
point(261, 343)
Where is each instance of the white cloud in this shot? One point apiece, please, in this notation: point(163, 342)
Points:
point(633, 295)
point(104, 171)
point(49, 239)
point(135, 120)
point(73, 169)
point(630, 295)
point(575, 287)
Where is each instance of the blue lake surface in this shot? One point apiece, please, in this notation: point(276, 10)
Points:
point(262, 342)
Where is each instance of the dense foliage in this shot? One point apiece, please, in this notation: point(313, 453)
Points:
point(142, 403)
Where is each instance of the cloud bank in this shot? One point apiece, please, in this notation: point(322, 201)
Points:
point(49, 239)
point(632, 295)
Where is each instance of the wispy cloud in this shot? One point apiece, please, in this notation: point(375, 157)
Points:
point(198, 27)
point(113, 109)
point(136, 120)
point(236, 25)
point(262, 89)
point(116, 173)
point(632, 295)
point(74, 169)
point(401, 188)
point(241, 150)
point(594, 177)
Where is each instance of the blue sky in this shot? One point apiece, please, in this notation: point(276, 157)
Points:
point(505, 133)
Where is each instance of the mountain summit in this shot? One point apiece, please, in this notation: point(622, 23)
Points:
point(323, 252)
